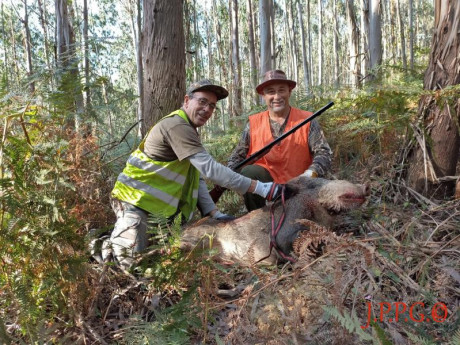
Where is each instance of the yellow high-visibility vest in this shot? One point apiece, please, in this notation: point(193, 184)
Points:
point(160, 188)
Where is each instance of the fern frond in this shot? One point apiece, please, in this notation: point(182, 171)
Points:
point(419, 340)
point(350, 322)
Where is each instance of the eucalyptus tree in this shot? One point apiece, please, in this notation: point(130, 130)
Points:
point(237, 106)
point(252, 50)
point(305, 60)
point(265, 36)
point(28, 46)
point(69, 81)
point(163, 57)
point(353, 44)
point(320, 42)
point(364, 36)
point(436, 153)
point(375, 35)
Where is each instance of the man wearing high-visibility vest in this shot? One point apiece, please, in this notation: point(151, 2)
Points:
point(163, 176)
point(305, 152)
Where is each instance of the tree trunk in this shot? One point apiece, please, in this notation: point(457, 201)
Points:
point(135, 12)
point(310, 53)
point(274, 49)
point(438, 155)
point(5, 52)
point(306, 78)
point(265, 37)
point(87, 65)
point(375, 36)
point(252, 52)
point(320, 42)
point(411, 28)
point(336, 46)
point(238, 106)
point(163, 57)
point(28, 47)
point(66, 60)
point(43, 23)
point(353, 39)
point(294, 43)
point(403, 36)
point(364, 37)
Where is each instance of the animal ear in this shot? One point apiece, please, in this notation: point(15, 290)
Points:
point(290, 190)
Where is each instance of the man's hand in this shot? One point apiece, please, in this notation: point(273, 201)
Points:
point(268, 190)
point(217, 215)
point(310, 173)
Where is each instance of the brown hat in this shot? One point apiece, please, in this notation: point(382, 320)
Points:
point(274, 76)
point(207, 85)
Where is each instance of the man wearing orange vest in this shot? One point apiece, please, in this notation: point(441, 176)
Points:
point(304, 152)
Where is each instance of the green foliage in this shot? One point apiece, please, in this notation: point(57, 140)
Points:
point(39, 243)
point(350, 322)
point(171, 326)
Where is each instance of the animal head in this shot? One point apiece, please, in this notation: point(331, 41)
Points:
point(334, 195)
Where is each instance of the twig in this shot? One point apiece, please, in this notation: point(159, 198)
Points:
point(439, 225)
point(420, 265)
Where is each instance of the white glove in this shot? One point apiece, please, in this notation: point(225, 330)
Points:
point(267, 190)
point(310, 173)
point(262, 188)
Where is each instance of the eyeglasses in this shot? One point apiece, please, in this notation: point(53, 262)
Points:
point(203, 102)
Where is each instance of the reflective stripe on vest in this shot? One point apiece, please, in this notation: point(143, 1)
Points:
point(161, 188)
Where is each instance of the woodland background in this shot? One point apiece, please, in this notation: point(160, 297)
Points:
point(82, 81)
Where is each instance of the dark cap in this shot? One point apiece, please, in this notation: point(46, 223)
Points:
point(272, 77)
point(207, 85)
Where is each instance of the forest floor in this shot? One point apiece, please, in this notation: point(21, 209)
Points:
point(387, 273)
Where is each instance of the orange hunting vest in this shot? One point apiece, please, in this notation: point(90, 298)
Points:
point(289, 158)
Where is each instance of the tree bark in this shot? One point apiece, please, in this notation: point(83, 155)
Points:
point(87, 64)
point(265, 37)
point(402, 34)
point(336, 46)
point(375, 36)
point(436, 155)
point(44, 25)
point(28, 47)
point(66, 60)
point(365, 37)
point(238, 104)
point(252, 52)
point(353, 39)
point(411, 28)
point(163, 57)
point(320, 43)
point(306, 78)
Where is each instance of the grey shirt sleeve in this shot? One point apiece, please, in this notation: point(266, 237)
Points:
point(205, 202)
point(218, 173)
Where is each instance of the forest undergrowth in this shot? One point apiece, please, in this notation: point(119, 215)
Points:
point(396, 258)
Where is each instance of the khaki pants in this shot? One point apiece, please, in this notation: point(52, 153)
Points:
point(129, 235)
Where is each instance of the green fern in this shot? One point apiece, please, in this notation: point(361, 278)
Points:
point(455, 338)
point(419, 340)
point(350, 322)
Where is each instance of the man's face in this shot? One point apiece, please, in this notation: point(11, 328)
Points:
point(276, 96)
point(200, 107)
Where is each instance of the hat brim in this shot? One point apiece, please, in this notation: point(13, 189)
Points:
point(260, 88)
point(219, 91)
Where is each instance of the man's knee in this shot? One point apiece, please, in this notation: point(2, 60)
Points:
point(128, 237)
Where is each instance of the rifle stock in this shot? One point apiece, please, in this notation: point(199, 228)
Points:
point(217, 191)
